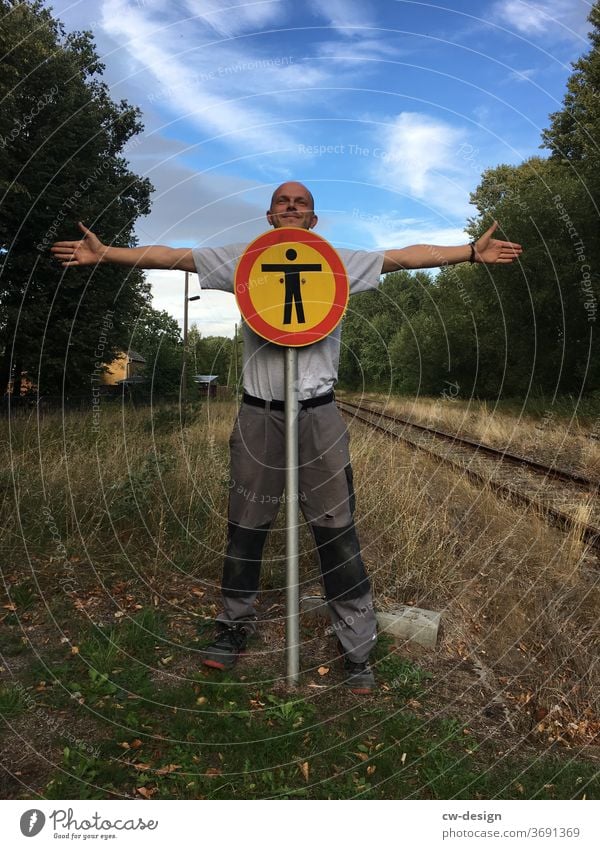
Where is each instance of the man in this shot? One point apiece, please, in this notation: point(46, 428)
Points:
point(326, 493)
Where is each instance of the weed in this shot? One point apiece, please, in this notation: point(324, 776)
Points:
point(23, 595)
point(12, 702)
point(86, 777)
point(292, 713)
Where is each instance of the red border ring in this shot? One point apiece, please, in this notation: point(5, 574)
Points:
point(298, 338)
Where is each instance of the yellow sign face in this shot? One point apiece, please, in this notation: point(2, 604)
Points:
point(303, 300)
point(291, 286)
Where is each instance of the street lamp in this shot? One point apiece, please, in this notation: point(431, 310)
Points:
point(186, 299)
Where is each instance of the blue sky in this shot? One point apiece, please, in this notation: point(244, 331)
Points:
point(388, 109)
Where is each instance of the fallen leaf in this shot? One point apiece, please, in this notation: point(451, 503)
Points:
point(142, 767)
point(9, 606)
point(201, 700)
point(304, 769)
point(146, 792)
point(318, 686)
point(168, 769)
point(362, 756)
point(74, 649)
point(403, 758)
point(198, 592)
point(323, 670)
point(371, 769)
point(213, 770)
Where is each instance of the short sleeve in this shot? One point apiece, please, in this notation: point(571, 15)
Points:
point(216, 266)
point(364, 269)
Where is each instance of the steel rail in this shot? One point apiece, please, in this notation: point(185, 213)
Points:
point(589, 533)
point(549, 471)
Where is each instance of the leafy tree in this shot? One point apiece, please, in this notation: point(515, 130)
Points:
point(535, 320)
point(575, 129)
point(62, 141)
point(157, 337)
point(371, 323)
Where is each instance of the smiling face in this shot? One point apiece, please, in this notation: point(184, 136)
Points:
point(292, 205)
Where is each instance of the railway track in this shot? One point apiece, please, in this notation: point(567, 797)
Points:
point(564, 498)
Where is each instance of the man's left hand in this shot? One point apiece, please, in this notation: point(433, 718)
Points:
point(490, 250)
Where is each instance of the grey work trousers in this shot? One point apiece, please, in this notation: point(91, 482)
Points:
point(326, 498)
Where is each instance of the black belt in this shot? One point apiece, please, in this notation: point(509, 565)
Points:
point(280, 405)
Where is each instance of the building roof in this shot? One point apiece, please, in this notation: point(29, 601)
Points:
point(206, 378)
point(135, 378)
point(135, 357)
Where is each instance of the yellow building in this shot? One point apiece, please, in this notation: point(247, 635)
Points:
point(127, 366)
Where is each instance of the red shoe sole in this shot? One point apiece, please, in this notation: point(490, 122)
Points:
point(361, 691)
point(214, 664)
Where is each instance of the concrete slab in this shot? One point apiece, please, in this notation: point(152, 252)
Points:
point(401, 622)
point(411, 623)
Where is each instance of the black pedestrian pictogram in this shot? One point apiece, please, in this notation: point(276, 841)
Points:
point(292, 284)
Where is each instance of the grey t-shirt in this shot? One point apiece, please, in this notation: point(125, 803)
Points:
point(263, 362)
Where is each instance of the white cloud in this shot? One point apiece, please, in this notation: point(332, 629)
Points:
point(215, 314)
point(193, 93)
point(420, 156)
point(523, 76)
point(231, 19)
point(387, 232)
point(360, 50)
point(341, 14)
point(191, 207)
point(556, 18)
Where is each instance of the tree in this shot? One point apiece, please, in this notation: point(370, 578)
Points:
point(371, 323)
point(535, 320)
point(157, 337)
point(62, 141)
point(575, 129)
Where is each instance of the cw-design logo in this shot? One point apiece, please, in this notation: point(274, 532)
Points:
point(32, 822)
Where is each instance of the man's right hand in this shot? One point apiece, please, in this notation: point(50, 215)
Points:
point(88, 251)
point(91, 251)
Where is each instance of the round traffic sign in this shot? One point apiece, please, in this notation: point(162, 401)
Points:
point(291, 287)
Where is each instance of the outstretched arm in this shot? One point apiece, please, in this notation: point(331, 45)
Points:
point(90, 251)
point(487, 250)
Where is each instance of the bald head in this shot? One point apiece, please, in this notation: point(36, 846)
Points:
point(292, 205)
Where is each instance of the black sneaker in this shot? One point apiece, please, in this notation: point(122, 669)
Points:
point(224, 651)
point(359, 677)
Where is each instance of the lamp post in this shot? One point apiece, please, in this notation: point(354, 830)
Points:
point(186, 299)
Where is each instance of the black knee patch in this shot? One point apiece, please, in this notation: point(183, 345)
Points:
point(241, 570)
point(343, 570)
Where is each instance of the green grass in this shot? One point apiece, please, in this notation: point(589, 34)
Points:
point(243, 741)
point(12, 701)
point(133, 511)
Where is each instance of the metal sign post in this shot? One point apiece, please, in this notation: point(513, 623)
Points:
point(292, 623)
point(292, 290)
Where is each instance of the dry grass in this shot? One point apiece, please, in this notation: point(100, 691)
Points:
point(568, 441)
point(520, 595)
point(146, 497)
point(146, 492)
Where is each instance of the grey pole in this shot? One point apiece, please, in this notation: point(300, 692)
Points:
point(292, 622)
point(185, 338)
